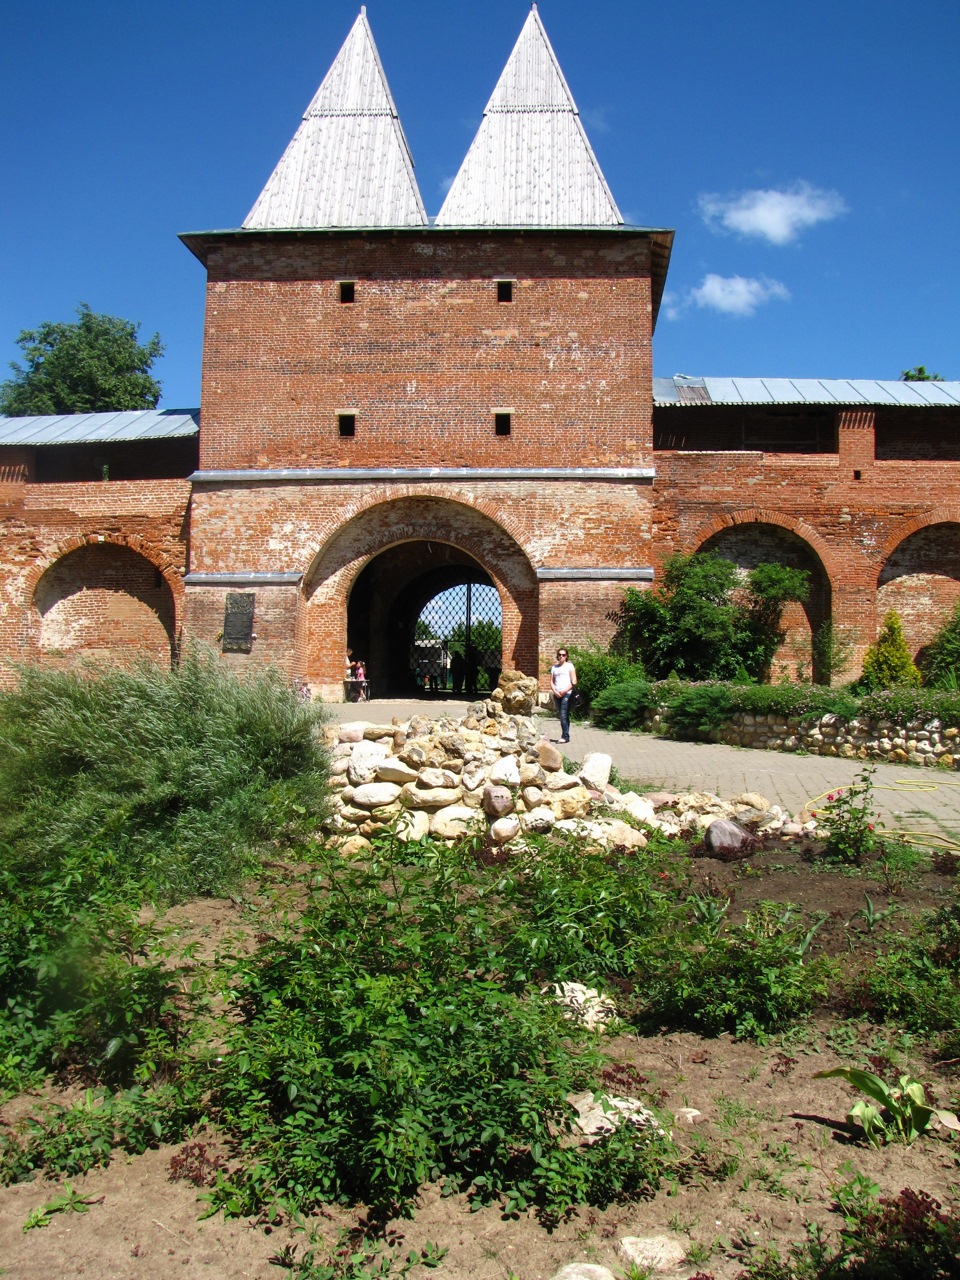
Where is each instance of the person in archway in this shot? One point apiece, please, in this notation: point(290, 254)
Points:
point(563, 681)
point(458, 670)
point(360, 681)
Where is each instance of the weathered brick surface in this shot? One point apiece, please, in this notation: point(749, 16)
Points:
point(426, 353)
point(91, 569)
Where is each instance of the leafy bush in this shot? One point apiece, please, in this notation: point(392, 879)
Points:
point(401, 1037)
point(66, 1141)
point(851, 821)
point(703, 622)
point(699, 710)
point(887, 662)
point(751, 979)
point(598, 670)
point(623, 706)
point(917, 984)
point(116, 787)
point(178, 775)
point(940, 664)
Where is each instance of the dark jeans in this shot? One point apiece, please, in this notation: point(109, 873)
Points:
point(563, 711)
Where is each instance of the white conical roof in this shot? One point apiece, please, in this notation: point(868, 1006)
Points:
point(530, 164)
point(348, 164)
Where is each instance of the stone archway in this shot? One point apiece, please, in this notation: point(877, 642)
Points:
point(920, 579)
point(379, 569)
point(106, 602)
point(755, 542)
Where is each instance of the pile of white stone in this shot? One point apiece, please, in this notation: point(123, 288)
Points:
point(492, 772)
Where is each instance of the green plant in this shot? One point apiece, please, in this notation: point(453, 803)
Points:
point(178, 775)
point(887, 662)
point(750, 978)
point(903, 1112)
point(833, 650)
point(871, 916)
point(623, 706)
point(597, 670)
point(703, 621)
point(405, 1033)
point(940, 662)
point(851, 823)
point(697, 711)
point(354, 1256)
point(69, 1201)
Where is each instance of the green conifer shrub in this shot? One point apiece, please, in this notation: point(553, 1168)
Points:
point(888, 662)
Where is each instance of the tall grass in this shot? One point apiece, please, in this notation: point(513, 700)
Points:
point(175, 776)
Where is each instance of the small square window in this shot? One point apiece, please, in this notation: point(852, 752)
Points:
point(504, 290)
point(501, 423)
point(348, 290)
point(347, 422)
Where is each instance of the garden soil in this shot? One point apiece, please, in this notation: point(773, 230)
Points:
point(763, 1156)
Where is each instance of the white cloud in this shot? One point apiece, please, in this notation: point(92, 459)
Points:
point(775, 216)
point(736, 295)
point(672, 305)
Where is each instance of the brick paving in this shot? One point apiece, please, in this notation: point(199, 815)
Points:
point(907, 799)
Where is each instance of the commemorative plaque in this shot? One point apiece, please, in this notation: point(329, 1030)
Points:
point(238, 622)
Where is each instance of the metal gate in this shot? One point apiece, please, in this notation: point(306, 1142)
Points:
point(458, 641)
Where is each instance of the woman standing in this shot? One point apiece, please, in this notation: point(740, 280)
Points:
point(563, 681)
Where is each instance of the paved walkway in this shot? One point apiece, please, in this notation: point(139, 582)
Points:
point(907, 798)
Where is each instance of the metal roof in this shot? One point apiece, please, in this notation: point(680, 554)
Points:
point(683, 390)
point(530, 164)
point(93, 428)
point(348, 164)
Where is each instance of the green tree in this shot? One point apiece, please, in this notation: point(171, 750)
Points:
point(485, 638)
point(704, 622)
point(887, 662)
point(91, 366)
point(919, 374)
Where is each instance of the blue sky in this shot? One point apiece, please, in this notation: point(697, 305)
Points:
point(806, 155)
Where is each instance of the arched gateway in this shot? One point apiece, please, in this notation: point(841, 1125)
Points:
point(368, 586)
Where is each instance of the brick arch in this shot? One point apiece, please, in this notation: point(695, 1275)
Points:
point(801, 623)
point(102, 598)
point(164, 564)
point(411, 515)
point(354, 508)
point(905, 528)
point(758, 515)
point(918, 575)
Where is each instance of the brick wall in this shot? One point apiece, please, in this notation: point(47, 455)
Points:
point(91, 569)
point(426, 353)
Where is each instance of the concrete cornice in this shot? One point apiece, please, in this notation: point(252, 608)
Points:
point(639, 574)
point(408, 475)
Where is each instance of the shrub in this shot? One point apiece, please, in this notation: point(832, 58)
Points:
point(177, 775)
point(941, 659)
point(703, 622)
point(401, 1036)
point(917, 984)
point(887, 662)
point(750, 979)
point(598, 670)
point(698, 710)
point(623, 706)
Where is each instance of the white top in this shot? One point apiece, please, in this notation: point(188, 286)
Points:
point(563, 676)
point(348, 165)
point(530, 164)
